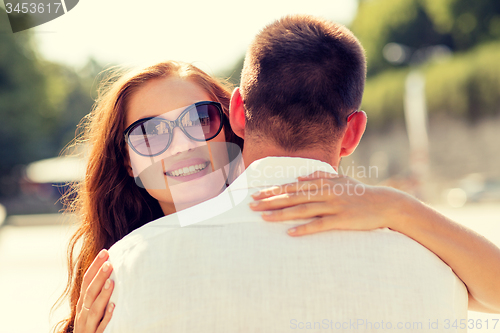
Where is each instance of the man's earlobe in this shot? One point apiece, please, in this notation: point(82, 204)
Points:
point(237, 114)
point(353, 134)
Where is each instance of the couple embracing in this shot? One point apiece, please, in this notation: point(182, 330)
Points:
point(200, 196)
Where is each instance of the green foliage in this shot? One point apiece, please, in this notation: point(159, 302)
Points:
point(458, 24)
point(23, 99)
point(70, 95)
point(383, 97)
point(40, 103)
point(466, 85)
point(468, 22)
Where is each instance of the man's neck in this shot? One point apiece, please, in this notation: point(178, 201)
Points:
point(254, 152)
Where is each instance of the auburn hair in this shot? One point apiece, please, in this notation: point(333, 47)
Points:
point(302, 76)
point(107, 202)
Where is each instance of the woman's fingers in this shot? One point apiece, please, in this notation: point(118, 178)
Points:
point(106, 319)
point(91, 273)
point(275, 190)
point(301, 211)
point(98, 309)
point(329, 222)
point(282, 189)
point(93, 300)
point(95, 287)
point(304, 184)
point(284, 200)
point(302, 195)
point(317, 225)
point(336, 222)
point(338, 202)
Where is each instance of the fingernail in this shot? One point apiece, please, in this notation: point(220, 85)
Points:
point(105, 267)
point(107, 284)
point(101, 254)
point(256, 194)
point(267, 213)
point(111, 307)
point(292, 231)
point(253, 204)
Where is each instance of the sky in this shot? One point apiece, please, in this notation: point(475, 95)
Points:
point(213, 34)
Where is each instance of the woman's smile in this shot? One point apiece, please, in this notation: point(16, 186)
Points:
point(188, 169)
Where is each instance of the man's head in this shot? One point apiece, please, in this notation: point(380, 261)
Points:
point(301, 78)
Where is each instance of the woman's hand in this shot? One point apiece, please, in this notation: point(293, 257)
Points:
point(92, 310)
point(336, 202)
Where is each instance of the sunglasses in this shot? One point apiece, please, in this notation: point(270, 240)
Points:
point(152, 136)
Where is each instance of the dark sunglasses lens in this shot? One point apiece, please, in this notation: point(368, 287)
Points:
point(202, 122)
point(150, 137)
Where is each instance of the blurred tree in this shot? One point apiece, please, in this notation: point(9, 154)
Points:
point(72, 93)
point(40, 103)
point(458, 24)
point(24, 110)
point(465, 86)
point(469, 23)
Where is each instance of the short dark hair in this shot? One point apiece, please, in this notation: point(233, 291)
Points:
point(301, 77)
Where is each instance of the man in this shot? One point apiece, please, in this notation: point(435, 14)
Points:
point(302, 83)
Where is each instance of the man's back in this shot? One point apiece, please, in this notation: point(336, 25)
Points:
point(237, 273)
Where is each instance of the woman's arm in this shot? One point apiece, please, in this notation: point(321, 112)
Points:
point(336, 204)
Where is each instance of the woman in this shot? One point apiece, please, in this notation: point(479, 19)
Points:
point(113, 205)
point(108, 201)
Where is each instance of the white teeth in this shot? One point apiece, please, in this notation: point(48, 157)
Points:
point(186, 171)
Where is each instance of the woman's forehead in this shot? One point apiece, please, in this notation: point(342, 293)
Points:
point(160, 96)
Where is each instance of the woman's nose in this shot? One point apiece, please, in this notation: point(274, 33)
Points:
point(181, 143)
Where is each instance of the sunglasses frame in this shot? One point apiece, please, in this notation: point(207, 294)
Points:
point(172, 125)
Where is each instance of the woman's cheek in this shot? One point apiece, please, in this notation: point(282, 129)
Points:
point(220, 158)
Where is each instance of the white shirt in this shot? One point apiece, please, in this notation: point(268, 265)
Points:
point(235, 272)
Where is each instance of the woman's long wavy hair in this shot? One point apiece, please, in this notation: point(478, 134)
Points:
point(107, 202)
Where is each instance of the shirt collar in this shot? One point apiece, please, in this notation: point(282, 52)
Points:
point(278, 170)
point(266, 172)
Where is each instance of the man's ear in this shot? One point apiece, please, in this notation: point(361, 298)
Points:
point(237, 114)
point(355, 129)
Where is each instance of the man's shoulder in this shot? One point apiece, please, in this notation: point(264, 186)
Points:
point(139, 239)
point(158, 234)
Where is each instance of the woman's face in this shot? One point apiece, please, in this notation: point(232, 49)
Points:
point(188, 172)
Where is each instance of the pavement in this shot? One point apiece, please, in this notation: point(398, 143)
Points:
point(33, 267)
point(32, 272)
